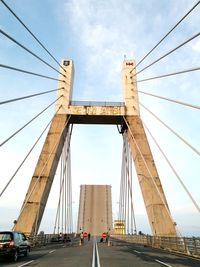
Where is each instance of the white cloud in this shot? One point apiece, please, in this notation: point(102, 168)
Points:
point(196, 46)
point(105, 35)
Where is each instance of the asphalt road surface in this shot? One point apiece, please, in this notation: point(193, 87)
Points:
point(100, 255)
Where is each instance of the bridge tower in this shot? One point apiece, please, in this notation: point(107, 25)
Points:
point(128, 115)
point(37, 195)
point(158, 212)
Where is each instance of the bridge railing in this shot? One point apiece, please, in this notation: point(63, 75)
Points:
point(97, 103)
point(45, 239)
point(185, 245)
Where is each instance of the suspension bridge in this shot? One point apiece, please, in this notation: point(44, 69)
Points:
point(138, 159)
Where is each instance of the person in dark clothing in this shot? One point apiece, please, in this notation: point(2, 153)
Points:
point(89, 236)
point(64, 238)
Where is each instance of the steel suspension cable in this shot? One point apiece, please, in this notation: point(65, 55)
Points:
point(121, 186)
point(148, 170)
point(63, 164)
point(170, 52)
point(58, 218)
point(125, 193)
point(168, 33)
point(120, 193)
point(70, 193)
point(67, 158)
point(29, 72)
point(169, 74)
point(68, 196)
point(44, 166)
point(133, 218)
point(62, 195)
point(65, 196)
point(24, 126)
point(69, 200)
point(122, 198)
point(128, 167)
point(66, 200)
point(171, 100)
point(58, 215)
point(67, 218)
point(31, 33)
point(29, 51)
point(128, 208)
point(175, 133)
point(61, 171)
point(29, 96)
point(132, 211)
point(130, 188)
point(127, 188)
point(173, 169)
point(58, 212)
point(25, 158)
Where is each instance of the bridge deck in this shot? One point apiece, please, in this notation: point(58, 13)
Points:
point(118, 255)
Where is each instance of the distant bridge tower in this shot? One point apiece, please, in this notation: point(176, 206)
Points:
point(95, 209)
point(67, 113)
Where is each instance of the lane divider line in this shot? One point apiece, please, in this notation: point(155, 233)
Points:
point(97, 253)
point(93, 254)
point(165, 264)
point(25, 263)
point(137, 251)
point(52, 251)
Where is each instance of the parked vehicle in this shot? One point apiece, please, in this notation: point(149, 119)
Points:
point(12, 244)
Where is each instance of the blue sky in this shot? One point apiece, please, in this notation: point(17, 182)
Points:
point(97, 35)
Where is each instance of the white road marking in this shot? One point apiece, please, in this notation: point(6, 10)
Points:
point(165, 264)
point(98, 260)
point(52, 251)
point(25, 263)
point(93, 256)
point(137, 251)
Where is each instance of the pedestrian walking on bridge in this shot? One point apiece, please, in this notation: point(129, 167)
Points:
point(81, 237)
point(89, 236)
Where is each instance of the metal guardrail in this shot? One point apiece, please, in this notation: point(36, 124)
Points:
point(184, 245)
point(45, 239)
point(97, 103)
